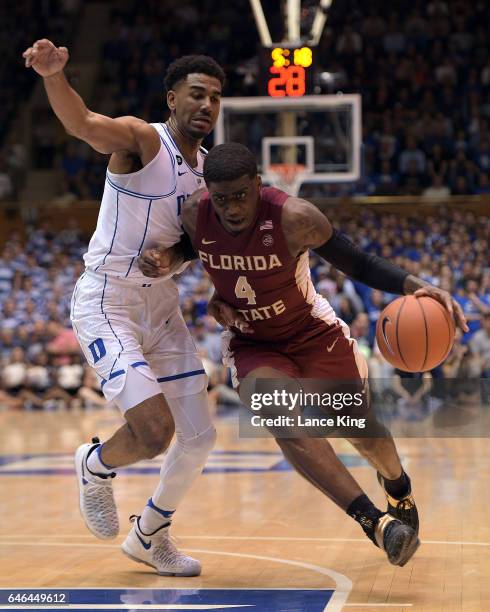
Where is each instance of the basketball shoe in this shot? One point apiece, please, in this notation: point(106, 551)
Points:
point(398, 540)
point(97, 505)
point(158, 551)
point(403, 509)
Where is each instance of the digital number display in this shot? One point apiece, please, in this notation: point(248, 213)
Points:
point(288, 71)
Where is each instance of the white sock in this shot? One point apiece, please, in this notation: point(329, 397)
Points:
point(95, 464)
point(152, 518)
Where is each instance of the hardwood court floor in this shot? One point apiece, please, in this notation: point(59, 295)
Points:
point(253, 523)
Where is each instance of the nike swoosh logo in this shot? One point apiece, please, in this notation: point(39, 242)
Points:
point(204, 241)
point(181, 173)
point(330, 348)
point(146, 545)
point(384, 323)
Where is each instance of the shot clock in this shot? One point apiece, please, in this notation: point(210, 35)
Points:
point(287, 71)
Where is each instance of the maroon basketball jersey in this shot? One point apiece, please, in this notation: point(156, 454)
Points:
point(255, 272)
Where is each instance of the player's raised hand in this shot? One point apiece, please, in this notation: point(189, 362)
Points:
point(45, 58)
point(227, 316)
point(159, 261)
point(445, 298)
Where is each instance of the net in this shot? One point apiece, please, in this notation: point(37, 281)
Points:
point(288, 177)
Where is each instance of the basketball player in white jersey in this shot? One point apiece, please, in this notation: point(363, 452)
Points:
point(130, 328)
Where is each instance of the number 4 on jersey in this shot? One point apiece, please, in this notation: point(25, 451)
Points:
point(244, 291)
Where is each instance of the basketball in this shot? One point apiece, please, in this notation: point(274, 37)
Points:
point(415, 334)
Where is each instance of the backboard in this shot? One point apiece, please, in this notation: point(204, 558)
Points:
point(320, 136)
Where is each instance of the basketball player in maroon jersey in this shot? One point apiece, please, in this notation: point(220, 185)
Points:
point(254, 244)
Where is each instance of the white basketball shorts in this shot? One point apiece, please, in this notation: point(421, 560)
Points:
point(135, 338)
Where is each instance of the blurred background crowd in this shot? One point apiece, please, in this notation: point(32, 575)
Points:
point(41, 363)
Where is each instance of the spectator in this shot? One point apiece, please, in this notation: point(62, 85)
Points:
point(412, 393)
point(394, 40)
point(437, 189)
point(74, 164)
point(14, 373)
point(6, 185)
point(90, 392)
point(44, 140)
point(349, 42)
point(360, 331)
point(412, 159)
point(38, 381)
point(472, 305)
point(483, 184)
point(70, 380)
point(462, 368)
point(10, 315)
point(480, 345)
point(386, 182)
point(63, 344)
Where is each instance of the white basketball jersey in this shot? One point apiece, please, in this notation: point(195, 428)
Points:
point(142, 209)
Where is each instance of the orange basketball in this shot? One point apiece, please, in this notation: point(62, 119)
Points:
point(415, 334)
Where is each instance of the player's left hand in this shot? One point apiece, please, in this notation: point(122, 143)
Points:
point(158, 261)
point(449, 303)
point(227, 316)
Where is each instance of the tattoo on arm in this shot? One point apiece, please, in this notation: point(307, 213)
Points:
point(304, 226)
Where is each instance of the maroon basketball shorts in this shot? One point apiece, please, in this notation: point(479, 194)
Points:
point(320, 351)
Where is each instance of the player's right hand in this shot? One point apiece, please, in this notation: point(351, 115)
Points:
point(158, 262)
point(45, 58)
point(227, 316)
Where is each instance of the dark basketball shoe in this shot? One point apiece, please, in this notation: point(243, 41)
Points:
point(399, 541)
point(403, 509)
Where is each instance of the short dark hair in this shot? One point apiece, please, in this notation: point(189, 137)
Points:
point(229, 161)
point(191, 64)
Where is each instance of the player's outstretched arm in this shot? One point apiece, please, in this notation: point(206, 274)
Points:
point(104, 134)
point(379, 273)
point(306, 227)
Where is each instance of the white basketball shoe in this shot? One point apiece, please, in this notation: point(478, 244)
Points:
point(97, 505)
point(158, 551)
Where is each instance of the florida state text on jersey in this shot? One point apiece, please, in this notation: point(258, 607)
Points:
point(255, 272)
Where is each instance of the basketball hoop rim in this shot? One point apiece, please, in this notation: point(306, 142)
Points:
point(287, 176)
point(286, 169)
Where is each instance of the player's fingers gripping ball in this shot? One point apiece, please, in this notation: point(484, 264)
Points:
point(415, 334)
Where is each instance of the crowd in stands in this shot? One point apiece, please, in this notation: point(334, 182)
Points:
point(423, 69)
point(21, 23)
point(42, 366)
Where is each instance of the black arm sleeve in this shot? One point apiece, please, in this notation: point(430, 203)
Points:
point(185, 247)
point(371, 270)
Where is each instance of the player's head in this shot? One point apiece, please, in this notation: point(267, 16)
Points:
point(194, 84)
point(230, 172)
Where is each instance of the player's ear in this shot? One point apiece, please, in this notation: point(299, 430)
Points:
point(171, 100)
point(259, 182)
